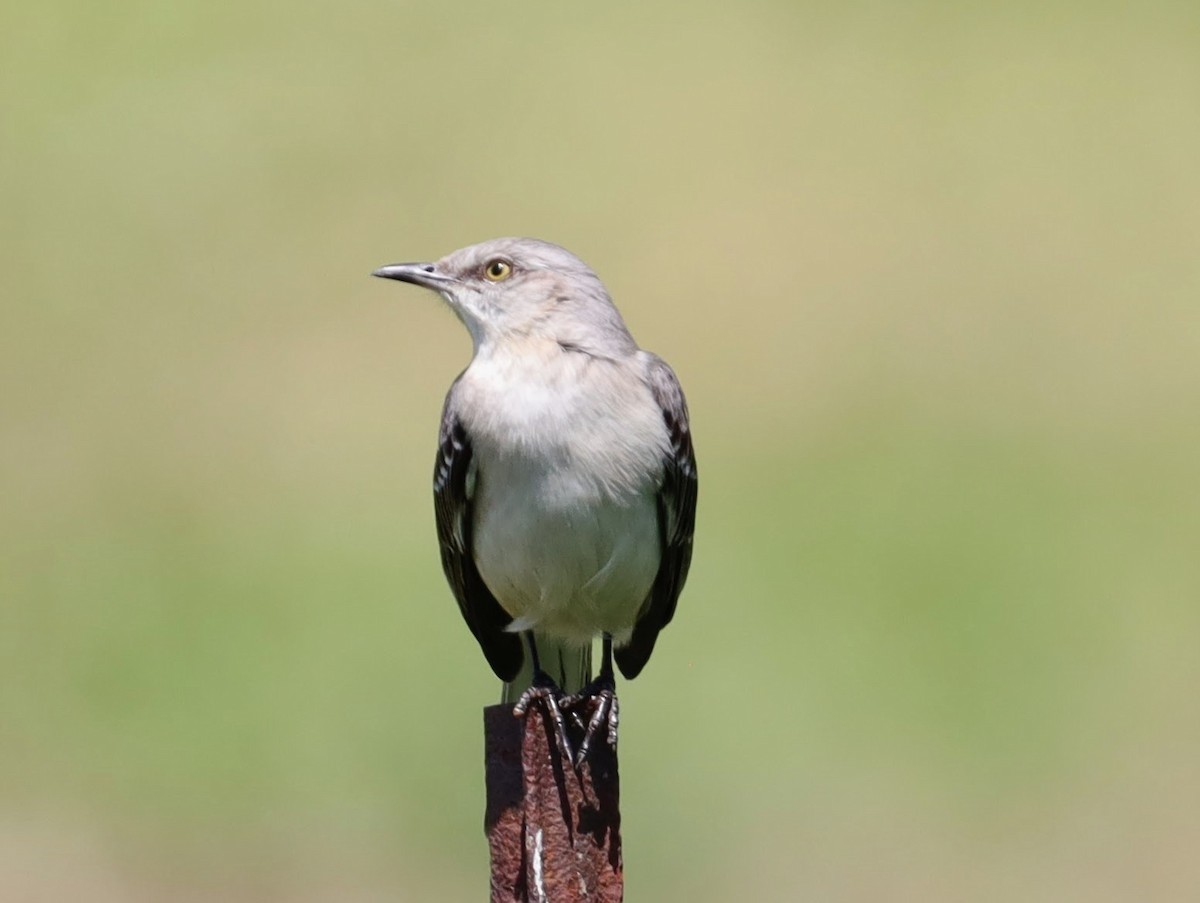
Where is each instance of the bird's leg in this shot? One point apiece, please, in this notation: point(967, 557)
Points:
point(603, 691)
point(543, 687)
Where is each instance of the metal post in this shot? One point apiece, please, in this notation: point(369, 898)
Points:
point(554, 831)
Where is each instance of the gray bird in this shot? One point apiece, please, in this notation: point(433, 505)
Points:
point(565, 481)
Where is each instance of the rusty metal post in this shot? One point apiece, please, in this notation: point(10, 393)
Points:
point(554, 831)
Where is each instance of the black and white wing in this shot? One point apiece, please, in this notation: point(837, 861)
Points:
point(453, 489)
point(676, 521)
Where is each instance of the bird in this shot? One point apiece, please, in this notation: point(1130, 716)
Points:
point(565, 479)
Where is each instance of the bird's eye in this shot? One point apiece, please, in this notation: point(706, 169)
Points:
point(498, 270)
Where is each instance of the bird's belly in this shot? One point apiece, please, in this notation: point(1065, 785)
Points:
point(571, 567)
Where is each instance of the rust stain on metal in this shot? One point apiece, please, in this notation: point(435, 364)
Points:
point(554, 831)
point(503, 816)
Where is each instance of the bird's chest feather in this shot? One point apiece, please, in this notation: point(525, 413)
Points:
point(564, 428)
point(567, 461)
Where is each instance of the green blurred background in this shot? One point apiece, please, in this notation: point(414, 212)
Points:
point(929, 273)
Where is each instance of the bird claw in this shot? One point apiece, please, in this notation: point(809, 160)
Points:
point(545, 690)
point(606, 714)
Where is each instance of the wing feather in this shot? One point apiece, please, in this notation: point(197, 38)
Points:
point(453, 485)
point(676, 520)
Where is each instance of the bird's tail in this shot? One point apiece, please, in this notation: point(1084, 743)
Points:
point(568, 664)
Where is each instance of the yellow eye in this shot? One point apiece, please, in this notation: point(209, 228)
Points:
point(498, 270)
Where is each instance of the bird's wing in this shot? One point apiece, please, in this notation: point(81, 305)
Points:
point(676, 520)
point(453, 506)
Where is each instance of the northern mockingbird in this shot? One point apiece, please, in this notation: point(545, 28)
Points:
point(565, 482)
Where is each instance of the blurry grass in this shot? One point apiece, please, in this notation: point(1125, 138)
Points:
point(929, 278)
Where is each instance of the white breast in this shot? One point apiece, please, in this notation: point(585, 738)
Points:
point(567, 451)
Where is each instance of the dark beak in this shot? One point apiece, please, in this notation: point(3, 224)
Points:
point(422, 274)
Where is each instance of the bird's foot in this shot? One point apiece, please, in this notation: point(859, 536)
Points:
point(544, 689)
point(601, 693)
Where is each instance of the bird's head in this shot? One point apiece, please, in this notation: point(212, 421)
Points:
point(509, 289)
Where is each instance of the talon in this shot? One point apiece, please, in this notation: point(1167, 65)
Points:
point(545, 690)
point(601, 692)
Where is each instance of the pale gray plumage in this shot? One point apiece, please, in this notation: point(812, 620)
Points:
point(565, 485)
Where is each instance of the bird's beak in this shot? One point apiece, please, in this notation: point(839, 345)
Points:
point(423, 274)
